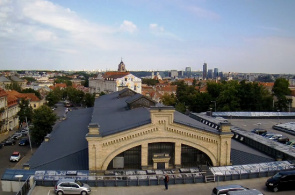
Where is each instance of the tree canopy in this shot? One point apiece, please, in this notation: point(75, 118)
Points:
point(280, 91)
point(25, 112)
point(43, 120)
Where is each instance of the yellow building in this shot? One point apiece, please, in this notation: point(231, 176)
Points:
point(130, 131)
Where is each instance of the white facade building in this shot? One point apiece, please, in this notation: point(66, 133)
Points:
point(115, 81)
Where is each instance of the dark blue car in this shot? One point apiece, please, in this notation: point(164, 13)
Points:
point(23, 142)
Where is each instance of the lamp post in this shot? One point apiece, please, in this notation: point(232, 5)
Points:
point(214, 104)
point(19, 178)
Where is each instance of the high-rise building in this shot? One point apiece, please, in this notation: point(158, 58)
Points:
point(205, 71)
point(188, 71)
point(210, 74)
point(215, 73)
point(173, 73)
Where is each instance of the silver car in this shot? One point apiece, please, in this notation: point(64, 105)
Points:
point(71, 186)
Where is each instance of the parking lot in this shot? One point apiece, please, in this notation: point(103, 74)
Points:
point(250, 124)
point(187, 189)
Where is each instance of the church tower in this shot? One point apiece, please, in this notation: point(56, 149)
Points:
point(121, 67)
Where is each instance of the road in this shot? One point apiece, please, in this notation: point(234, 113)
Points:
point(187, 189)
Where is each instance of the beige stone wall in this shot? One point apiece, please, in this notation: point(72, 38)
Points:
point(162, 129)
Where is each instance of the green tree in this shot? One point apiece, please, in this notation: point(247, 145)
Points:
point(43, 120)
point(29, 79)
point(149, 82)
point(54, 96)
point(168, 100)
point(280, 91)
point(14, 86)
point(180, 107)
point(228, 99)
point(75, 96)
point(89, 99)
point(26, 111)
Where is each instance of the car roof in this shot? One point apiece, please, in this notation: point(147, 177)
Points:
point(15, 153)
point(287, 173)
point(66, 180)
point(229, 186)
point(246, 192)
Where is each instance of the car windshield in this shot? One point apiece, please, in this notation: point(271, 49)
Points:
point(14, 155)
point(79, 183)
point(278, 175)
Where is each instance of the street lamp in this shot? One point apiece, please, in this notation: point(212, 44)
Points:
point(19, 178)
point(214, 104)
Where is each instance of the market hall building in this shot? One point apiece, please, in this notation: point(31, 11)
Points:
point(130, 131)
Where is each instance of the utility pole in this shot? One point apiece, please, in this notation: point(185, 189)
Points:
point(29, 135)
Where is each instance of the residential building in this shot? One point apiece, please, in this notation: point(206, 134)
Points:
point(115, 81)
point(8, 109)
point(4, 82)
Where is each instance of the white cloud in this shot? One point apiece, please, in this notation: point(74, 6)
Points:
point(202, 13)
point(128, 26)
point(155, 28)
point(160, 31)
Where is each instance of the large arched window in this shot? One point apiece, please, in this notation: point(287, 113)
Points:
point(161, 148)
point(131, 159)
point(192, 157)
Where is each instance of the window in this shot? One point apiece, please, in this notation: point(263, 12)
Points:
point(192, 157)
point(162, 147)
point(132, 158)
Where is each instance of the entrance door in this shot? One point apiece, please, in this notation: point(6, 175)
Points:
point(160, 165)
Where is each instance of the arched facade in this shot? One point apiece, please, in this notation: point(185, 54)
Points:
point(162, 129)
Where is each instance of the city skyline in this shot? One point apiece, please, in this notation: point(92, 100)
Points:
point(234, 36)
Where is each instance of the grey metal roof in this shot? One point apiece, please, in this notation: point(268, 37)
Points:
point(4, 79)
point(111, 114)
point(243, 154)
point(68, 147)
point(16, 79)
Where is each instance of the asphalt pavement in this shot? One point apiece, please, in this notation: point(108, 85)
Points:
point(180, 189)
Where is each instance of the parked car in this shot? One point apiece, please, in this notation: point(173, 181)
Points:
point(227, 188)
point(245, 192)
point(71, 186)
point(24, 142)
point(284, 180)
point(24, 132)
point(282, 139)
point(9, 142)
point(259, 131)
point(272, 135)
point(15, 156)
point(16, 136)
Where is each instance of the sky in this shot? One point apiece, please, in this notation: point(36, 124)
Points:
point(247, 36)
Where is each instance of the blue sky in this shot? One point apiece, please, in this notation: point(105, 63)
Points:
point(231, 35)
